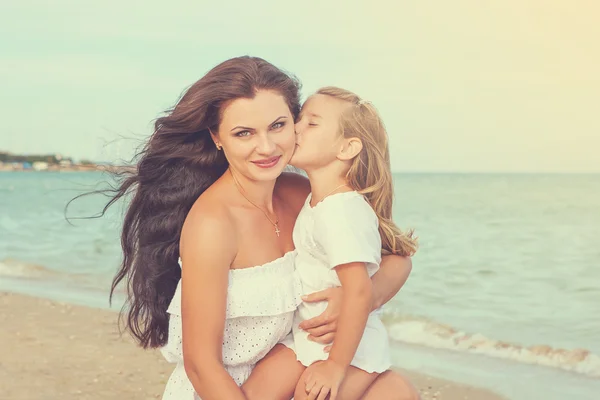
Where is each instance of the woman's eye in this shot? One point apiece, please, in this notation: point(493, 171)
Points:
point(242, 134)
point(278, 125)
point(312, 124)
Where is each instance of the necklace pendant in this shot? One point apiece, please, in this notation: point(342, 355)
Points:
point(277, 230)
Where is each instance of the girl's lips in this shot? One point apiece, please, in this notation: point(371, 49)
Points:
point(267, 163)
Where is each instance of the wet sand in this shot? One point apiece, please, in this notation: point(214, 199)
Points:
point(51, 350)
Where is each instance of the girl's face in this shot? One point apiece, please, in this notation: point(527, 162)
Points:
point(257, 135)
point(318, 137)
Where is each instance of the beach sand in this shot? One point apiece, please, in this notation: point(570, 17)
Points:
point(52, 350)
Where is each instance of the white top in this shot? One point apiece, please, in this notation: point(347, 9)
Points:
point(260, 308)
point(341, 229)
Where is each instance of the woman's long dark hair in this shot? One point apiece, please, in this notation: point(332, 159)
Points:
point(177, 164)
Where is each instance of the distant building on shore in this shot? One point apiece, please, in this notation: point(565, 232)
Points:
point(40, 166)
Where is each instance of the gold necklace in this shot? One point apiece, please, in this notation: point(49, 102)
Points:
point(323, 198)
point(242, 192)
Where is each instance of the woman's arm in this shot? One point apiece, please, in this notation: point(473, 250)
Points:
point(207, 250)
point(390, 278)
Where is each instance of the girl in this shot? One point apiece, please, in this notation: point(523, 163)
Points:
point(339, 235)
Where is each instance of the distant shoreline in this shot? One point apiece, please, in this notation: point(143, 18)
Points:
point(55, 163)
point(72, 168)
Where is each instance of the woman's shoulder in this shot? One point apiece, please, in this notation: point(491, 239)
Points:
point(209, 219)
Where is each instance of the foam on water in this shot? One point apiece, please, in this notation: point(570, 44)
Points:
point(18, 269)
point(430, 333)
point(29, 272)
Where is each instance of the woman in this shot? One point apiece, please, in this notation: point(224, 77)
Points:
point(209, 192)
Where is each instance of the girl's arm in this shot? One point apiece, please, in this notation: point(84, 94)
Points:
point(326, 377)
point(356, 306)
point(207, 250)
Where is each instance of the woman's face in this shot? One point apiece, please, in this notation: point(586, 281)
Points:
point(257, 135)
point(318, 137)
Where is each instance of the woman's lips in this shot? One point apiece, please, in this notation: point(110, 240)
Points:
point(267, 162)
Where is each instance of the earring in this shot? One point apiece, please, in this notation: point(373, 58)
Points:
point(219, 147)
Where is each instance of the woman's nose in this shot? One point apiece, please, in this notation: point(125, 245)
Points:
point(265, 145)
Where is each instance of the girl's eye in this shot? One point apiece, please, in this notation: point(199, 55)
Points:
point(278, 125)
point(312, 124)
point(242, 133)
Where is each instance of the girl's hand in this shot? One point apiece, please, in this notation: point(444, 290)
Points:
point(322, 379)
point(322, 328)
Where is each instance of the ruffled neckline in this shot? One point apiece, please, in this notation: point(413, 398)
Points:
point(248, 270)
point(245, 270)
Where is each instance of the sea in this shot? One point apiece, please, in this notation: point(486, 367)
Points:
point(504, 291)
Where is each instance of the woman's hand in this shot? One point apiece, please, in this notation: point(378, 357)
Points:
point(323, 327)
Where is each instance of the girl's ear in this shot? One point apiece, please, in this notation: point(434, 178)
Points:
point(351, 147)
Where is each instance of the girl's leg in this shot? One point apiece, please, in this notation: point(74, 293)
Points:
point(390, 385)
point(355, 384)
point(275, 376)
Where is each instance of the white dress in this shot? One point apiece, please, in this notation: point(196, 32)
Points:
point(260, 309)
point(343, 228)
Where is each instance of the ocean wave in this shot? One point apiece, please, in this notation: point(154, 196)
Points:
point(18, 269)
point(425, 332)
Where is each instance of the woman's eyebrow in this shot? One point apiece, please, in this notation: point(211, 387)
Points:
point(242, 127)
point(252, 129)
point(278, 118)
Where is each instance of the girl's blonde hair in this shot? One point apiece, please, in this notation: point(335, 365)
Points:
point(370, 173)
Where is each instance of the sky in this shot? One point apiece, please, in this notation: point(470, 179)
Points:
point(462, 86)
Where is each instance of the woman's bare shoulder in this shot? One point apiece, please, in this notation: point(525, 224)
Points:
point(209, 221)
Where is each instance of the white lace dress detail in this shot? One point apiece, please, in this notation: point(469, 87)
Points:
point(260, 309)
